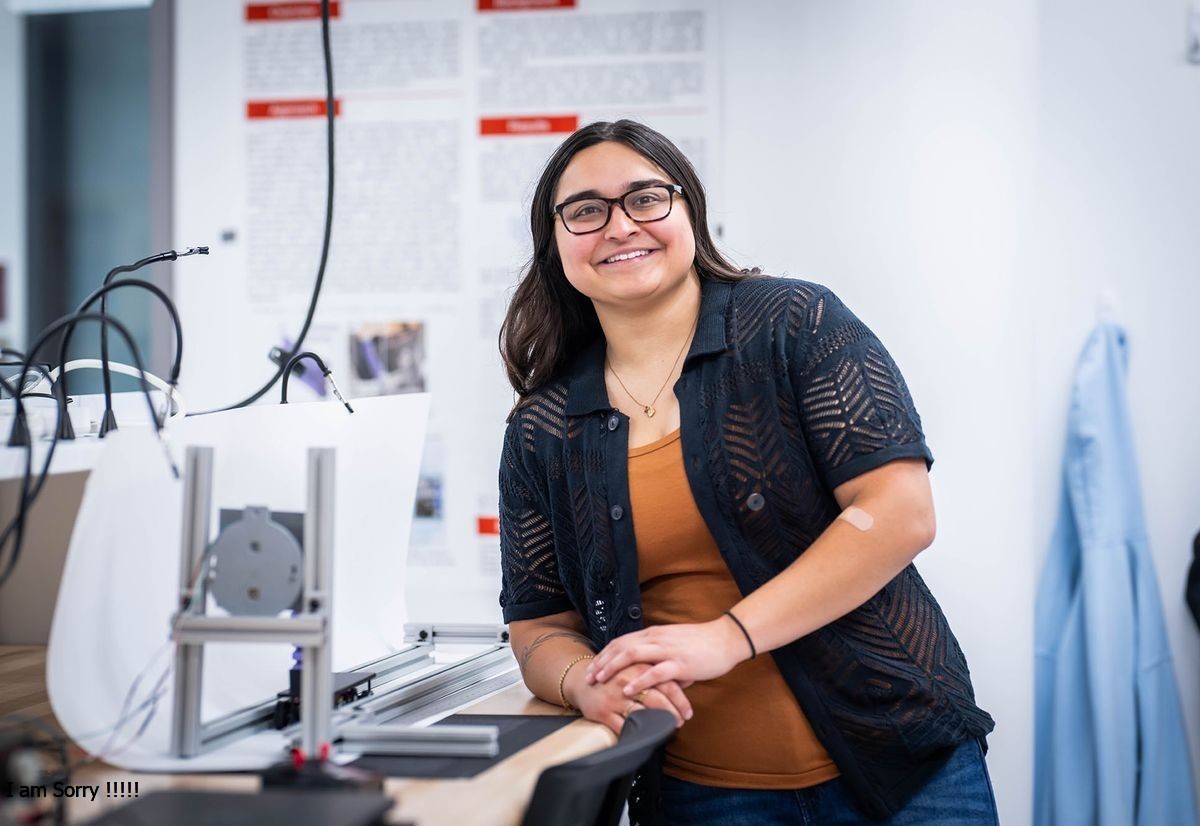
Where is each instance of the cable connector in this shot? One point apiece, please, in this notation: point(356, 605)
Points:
point(19, 435)
point(294, 362)
point(337, 393)
point(192, 251)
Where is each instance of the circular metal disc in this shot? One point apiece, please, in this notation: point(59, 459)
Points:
point(256, 566)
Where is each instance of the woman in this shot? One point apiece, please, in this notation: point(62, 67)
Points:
point(656, 545)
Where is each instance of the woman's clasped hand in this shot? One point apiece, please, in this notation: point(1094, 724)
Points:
point(683, 654)
point(611, 701)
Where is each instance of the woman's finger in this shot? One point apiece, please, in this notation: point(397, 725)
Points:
point(649, 653)
point(597, 662)
point(589, 673)
point(653, 698)
point(605, 657)
point(614, 664)
point(651, 677)
point(674, 694)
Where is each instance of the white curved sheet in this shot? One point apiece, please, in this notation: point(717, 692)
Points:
point(121, 574)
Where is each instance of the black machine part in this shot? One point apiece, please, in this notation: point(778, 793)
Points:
point(348, 686)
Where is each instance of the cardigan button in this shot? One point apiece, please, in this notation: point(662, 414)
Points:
point(617, 512)
point(755, 501)
point(634, 612)
point(613, 422)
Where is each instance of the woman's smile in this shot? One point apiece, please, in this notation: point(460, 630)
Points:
point(627, 258)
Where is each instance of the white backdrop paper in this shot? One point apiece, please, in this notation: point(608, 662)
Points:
point(121, 575)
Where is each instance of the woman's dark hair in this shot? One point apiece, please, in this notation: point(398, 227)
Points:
point(548, 321)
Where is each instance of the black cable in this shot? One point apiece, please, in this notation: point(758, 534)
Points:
point(19, 434)
point(70, 321)
point(109, 420)
point(29, 495)
point(294, 362)
point(101, 295)
point(312, 304)
point(16, 526)
point(17, 523)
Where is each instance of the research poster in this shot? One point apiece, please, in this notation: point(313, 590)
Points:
point(445, 113)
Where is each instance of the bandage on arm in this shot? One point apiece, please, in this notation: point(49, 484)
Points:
point(857, 517)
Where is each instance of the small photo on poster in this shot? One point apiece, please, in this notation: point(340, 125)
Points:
point(429, 498)
point(428, 545)
point(388, 358)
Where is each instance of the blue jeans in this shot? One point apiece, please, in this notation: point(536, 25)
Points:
point(960, 794)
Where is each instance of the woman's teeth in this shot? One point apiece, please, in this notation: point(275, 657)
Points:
point(625, 256)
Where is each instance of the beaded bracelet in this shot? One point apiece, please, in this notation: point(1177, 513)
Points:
point(562, 679)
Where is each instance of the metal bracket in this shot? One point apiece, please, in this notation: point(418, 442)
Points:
point(192, 628)
point(443, 741)
point(455, 632)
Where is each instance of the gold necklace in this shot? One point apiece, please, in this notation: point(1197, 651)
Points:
point(648, 409)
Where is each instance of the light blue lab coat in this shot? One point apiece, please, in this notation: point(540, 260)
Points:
point(1110, 740)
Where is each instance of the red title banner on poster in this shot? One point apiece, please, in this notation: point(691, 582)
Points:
point(290, 108)
point(529, 125)
point(488, 525)
point(524, 5)
point(266, 12)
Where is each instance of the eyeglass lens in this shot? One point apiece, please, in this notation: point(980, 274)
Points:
point(651, 203)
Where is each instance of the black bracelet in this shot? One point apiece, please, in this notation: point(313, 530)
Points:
point(745, 633)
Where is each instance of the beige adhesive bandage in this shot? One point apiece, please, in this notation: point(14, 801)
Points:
point(857, 517)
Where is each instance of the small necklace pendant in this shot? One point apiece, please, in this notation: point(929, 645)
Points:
point(649, 411)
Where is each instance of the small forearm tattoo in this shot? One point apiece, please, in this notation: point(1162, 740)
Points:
point(528, 650)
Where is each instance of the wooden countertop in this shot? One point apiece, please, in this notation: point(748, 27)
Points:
point(496, 796)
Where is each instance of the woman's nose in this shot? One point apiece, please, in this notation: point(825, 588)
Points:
point(620, 225)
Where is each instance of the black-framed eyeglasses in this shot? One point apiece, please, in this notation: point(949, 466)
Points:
point(643, 205)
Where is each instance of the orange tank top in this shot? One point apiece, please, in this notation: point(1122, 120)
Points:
point(748, 730)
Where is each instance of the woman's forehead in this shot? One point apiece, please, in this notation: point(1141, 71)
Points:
point(607, 168)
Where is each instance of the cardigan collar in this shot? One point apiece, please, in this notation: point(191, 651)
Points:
point(586, 392)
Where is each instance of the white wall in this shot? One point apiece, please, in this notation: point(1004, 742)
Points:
point(1118, 207)
point(885, 149)
point(12, 173)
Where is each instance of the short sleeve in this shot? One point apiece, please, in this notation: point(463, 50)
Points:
point(530, 585)
point(855, 408)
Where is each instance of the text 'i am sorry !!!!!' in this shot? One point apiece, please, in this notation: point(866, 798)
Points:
point(84, 791)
